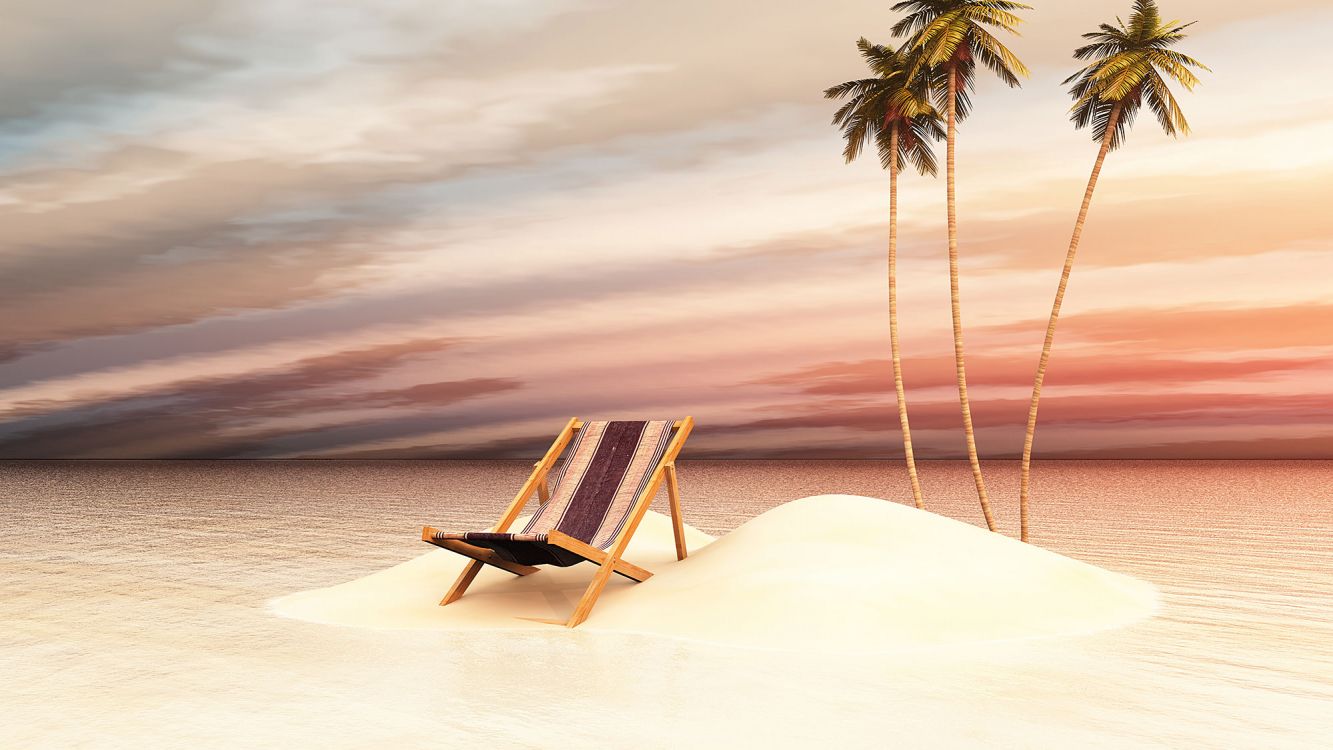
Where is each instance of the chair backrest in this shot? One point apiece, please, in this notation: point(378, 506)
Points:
point(606, 467)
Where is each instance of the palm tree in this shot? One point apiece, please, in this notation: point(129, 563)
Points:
point(949, 37)
point(1130, 64)
point(893, 111)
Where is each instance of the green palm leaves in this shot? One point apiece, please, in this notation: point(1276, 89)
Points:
point(954, 35)
point(890, 101)
point(1131, 63)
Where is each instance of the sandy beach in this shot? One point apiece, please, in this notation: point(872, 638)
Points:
point(826, 573)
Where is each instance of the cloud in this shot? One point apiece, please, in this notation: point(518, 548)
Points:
point(1122, 424)
point(1082, 369)
point(55, 50)
point(1198, 329)
point(214, 197)
point(226, 416)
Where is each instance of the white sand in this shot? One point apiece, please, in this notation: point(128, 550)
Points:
point(826, 573)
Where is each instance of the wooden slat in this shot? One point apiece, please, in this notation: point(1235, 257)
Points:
point(480, 554)
point(592, 554)
point(578, 424)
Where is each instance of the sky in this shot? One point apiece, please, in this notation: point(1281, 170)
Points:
point(440, 228)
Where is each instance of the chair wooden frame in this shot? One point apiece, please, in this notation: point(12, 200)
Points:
point(608, 561)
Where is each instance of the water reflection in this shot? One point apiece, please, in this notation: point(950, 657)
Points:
point(134, 594)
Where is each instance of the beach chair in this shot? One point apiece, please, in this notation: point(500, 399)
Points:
point(588, 510)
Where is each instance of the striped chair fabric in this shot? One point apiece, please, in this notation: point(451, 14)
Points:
point(592, 492)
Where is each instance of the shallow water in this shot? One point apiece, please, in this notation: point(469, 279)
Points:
point(133, 614)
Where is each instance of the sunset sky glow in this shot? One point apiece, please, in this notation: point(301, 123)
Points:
point(411, 228)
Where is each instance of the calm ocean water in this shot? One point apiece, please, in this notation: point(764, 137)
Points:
point(133, 614)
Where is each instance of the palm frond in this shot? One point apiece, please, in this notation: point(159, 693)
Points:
point(917, 149)
point(1098, 114)
point(1100, 49)
point(940, 40)
point(1125, 123)
point(1173, 67)
point(994, 55)
point(1144, 19)
point(1083, 75)
point(956, 35)
point(1121, 75)
point(920, 14)
point(1109, 31)
point(855, 134)
point(1128, 67)
point(891, 101)
point(1084, 112)
point(963, 96)
point(845, 112)
point(850, 88)
point(1163, 104)
point(991, 17)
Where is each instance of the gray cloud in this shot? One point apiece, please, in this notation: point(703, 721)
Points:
point(211, 416)
point(538, 293)
point(55, 51)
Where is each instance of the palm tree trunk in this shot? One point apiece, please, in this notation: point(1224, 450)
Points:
point(954, 303)
point(1025, 471)
point(893, 320)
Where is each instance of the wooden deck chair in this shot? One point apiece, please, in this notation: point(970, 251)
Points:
point(589, 509)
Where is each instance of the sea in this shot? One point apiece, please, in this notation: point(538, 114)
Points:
point(135, 613)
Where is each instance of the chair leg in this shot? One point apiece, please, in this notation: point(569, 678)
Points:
point(485, 556)
point(677, 521)
point(591, 594)
point(464, 580)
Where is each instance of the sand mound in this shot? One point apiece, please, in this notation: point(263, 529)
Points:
point(832, 572)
